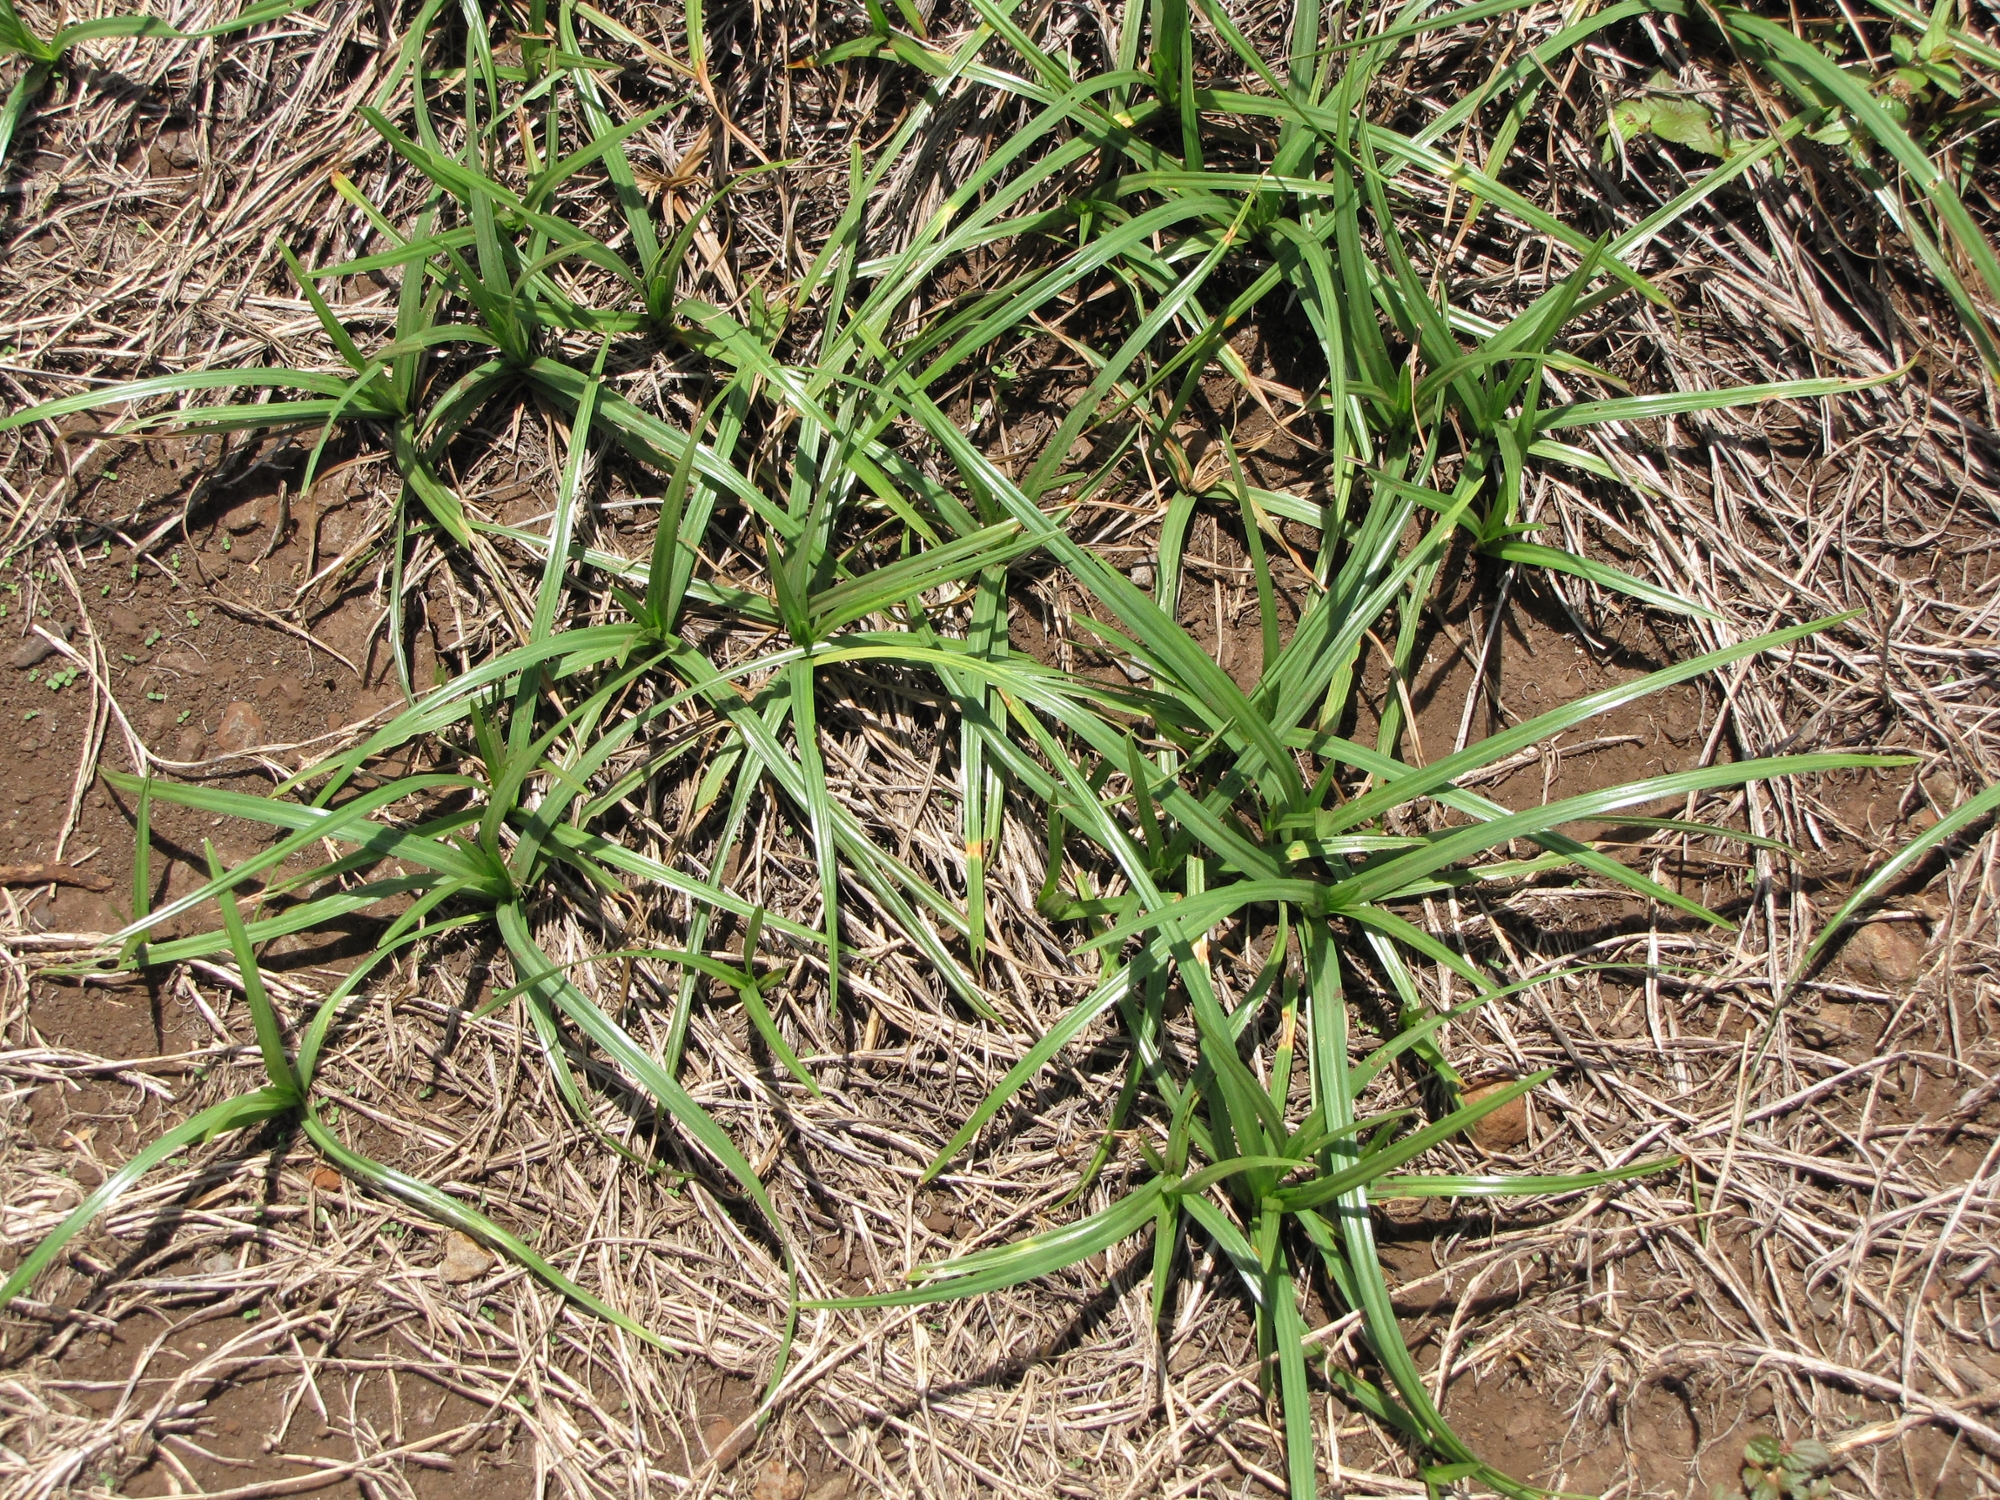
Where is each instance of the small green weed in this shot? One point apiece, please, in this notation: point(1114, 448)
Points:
point(1774, 1470)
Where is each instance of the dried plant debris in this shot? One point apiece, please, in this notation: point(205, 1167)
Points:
point(1189, 751)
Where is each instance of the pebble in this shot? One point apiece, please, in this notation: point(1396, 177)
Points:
point(187, 663)
point(242, 727)
point(35, 649)
point(1890, 953)
point(465, 1259)
point(776, 1482)
point(286, 689)
point(715, 1440)
point(188, 745)
point(1504, 1129)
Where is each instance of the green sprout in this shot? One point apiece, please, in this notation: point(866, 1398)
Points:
point(1773, 1470)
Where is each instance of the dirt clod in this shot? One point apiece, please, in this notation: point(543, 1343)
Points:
point(38, 648)
point(241, 728)
point(1890, 953)
point(776, 1482)
point(465, 1259)
point(720, 1442)
point(1506, 1128)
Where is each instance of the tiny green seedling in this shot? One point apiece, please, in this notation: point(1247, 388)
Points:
point(1664, 110)
point(1774, 1470)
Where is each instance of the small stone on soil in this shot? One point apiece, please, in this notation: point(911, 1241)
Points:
point(1506, 1127)
point(1891, 953)
point(241, 728)
point(776, 1482)
point(465, 1259)
point(36, 649)
point(188, 745)
point(715, 1441)
point(287, 690)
